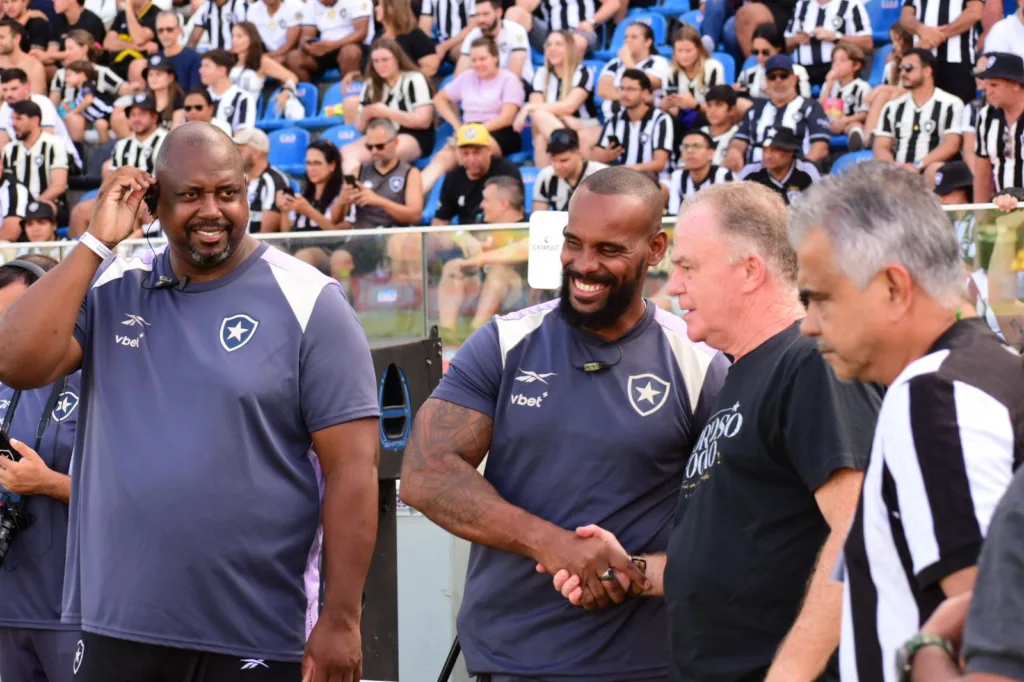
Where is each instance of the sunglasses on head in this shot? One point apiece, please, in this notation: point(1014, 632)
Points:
point(778, 76)
point(560, 136)
point(377, 147)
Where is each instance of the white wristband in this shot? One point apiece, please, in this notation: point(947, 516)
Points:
point(96, 246)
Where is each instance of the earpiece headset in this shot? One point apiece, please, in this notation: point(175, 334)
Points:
point(27, 266)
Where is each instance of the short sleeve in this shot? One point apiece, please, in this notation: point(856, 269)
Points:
point(455, 89)
point(420, 91)
point(447, 207)
point(998, 39)
point(818, 127)
point(660, 69)
point(512, 90)
point(333, 392)
point(50, 117)
point(19, 206)
point(954, 118)
point(885, 121)
point(117, 154)
point(663, 134)
point(981, 139)
point(994, 629)
point(746, 128)
point(467, 44)
point(58, 155)
point(540, 78)
point(427, 8)
point(827, 424)
point(606, 132)
point(420, 45)
point(473, 379)
point(715, 74)
point(969, 121)
point(540, 188)
point(364, 92)
point(361, 9)
point(858, 23)
point(610, 69)
point(520, 41)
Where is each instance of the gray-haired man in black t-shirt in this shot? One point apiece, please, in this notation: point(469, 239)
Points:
point(772, 483)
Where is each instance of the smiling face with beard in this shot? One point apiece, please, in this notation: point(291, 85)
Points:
point(620, 295)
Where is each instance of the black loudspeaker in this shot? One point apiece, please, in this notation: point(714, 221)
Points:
point(407, 372)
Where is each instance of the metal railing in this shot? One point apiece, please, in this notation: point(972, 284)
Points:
point(402, 281)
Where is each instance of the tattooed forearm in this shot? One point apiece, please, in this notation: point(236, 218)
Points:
point(440, 479)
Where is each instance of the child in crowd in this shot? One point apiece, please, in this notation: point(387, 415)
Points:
point(844, 93)
point(88, 106)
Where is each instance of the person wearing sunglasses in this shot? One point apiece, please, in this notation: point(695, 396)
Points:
point(921, 129)
point(185, 60)
point(199, 106)
point(768, 42)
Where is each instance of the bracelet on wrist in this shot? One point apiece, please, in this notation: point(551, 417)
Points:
point(91, 242)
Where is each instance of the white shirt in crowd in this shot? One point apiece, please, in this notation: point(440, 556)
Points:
point(49, 120)
point(337, 21)
point(511, 38)
point(1006, 35)
point(274, 29)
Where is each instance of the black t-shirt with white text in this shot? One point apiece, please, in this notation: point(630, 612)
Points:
point(748, 528)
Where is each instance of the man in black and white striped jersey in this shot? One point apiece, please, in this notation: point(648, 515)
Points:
point(999, 160)
point(919, 130)
point(234, 106)
point(214, 18)
point(37, 159)
point(883, 279)
point(782, 170)
point(638, 51)
point(816, 27)
point(697, 171)
point(265, 181)
point(14, 201)
point(582, 18)
point(784, 108)
point(946, 29)
point(452, 20)
point(15, 86)
point(556, 183)
point(638, 136)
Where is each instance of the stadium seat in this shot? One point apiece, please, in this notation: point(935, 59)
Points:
point(296, 185)
point(329, 76)
point(444, 131)
point(751, 61)
point(433, 199)
point(850, 159)
point(693, 18)
point(307, 93)
point(729, 63)
point(655, 21)
point(529, 175)
point(679, 9)
point(341, 135)
point(838, 142)
point(288, 150)
point(878, 65)
point(882, 14)
point(526, 153)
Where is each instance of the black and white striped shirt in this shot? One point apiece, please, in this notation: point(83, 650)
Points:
point(551, 88)
point(972, 114)
point(108, 84)
point(945, 448)
point(262, 195)
point(753, 79)
point(805, 117)
point(14, 198)
point(681, 185)
point(450, 16)
point(410, 92)
point(98, 108)
point(640, 138)
point(852, 94)
point(801, 175)
point(721, 143)
point(956, 50)
point(846, 16)
point(1002, 144)
point(567, 14)
point(655, 65)
point(141, 154)
point(916, 131)
point(713, 74)
point(217, 19)
point(33, 167)
point(554, 191)
point(235, 107)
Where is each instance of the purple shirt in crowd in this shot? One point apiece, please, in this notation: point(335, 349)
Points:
point(482, 100)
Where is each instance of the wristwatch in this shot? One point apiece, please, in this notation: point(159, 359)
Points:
point(905, 654)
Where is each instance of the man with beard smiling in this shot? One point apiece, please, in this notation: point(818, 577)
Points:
point(586, 408)
point(195, 531)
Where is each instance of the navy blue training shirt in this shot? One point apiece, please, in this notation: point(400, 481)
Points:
point(575, 448)
point(32, 576)
point(195, 505)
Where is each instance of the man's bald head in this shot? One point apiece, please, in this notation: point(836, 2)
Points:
point(189, 139)
point(626, 182)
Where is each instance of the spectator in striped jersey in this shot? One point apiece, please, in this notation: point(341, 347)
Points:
point(395, 91)
point(882, 276)
point(487, 95)
point(235, 107)
point(88, 105)
point(693, 72)
point(844, 93)
point(946, 29)
point(562, 97)
point(637, 52)
point(719, 109)
point(513, 43)
point(639, 136)
point(781, 170)
point(921, 129)
point(768, 41)
point(999, 162)
point(14, 201)
point(891, 87)
point(816, 27)
point(37, 159)
point(556, 183)
point(265, 181)
point(214, 20)
point(582, 18)
point(254, 67)
point(12, 56)
point(698, 170)
point(15, 87)
point(79, 46)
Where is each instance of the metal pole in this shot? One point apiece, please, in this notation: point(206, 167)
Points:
point(449, 663)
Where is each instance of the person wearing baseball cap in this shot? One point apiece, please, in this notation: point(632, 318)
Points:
point(782, 170)
point(40, 225)
point(999, 166)
point(557, 182)
point(265, 181)
point(463, 187)
point(804, 117)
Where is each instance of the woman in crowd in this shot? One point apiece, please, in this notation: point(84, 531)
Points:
point(891, 86)
point(400, 24)
point(162, 81)
point(637, 52)
point(768, 42)
point(693, 72)
point(79, 45)
point(562, 97)
point(311, 210)
point(487, 94)
point(254, 67)
point(396, 90)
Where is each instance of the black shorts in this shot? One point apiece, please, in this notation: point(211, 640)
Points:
point(326, 62)
point(106, 659)
point(508, 140)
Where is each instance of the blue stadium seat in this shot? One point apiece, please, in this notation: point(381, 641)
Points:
point(850, 159)
point(679, 9)
point(529, 175)
point(91, 194)
point(433, 199)
point(526, 152)
point(729, 63)
point(332, 97)
point(882, 14)
point(296, 185)
point(329, 76)
point(878, 65)
point(341, 135)
point(655, 21)
point(751, 61)
point(597, 65)
point(693, 18)
point(307, 93)
point(444, 131)
point(62, 233)
point(288, 150)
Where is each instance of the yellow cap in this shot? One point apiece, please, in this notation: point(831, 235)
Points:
point(473, 135)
